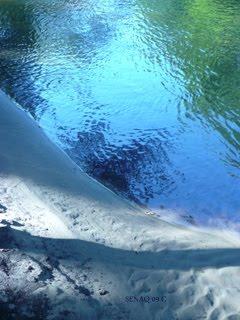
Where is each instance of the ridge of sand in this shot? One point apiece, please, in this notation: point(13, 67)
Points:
point(72, 249)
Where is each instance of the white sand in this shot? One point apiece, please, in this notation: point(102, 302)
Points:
point(75, 250)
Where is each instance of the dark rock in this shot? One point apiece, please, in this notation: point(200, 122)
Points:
point(30, 268)
point(3, 209)
point(83, 290)
point(103, 292)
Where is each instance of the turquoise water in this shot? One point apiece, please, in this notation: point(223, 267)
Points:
point(144, 95)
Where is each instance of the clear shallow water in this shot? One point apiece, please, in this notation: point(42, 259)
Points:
point(144, 95)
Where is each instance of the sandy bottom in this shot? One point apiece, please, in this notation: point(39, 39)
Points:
point(72, 249)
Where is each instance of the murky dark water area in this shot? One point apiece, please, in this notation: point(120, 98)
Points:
point(143, 95)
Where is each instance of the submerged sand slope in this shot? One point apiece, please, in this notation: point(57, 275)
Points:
point(72, 249)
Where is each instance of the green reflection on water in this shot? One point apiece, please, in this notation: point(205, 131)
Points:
point(202, 39)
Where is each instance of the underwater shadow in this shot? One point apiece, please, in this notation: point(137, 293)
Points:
point(27, 153)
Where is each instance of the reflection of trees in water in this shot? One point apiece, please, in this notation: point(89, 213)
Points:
point(139, 170)
point(16, 43)
point(34, 33)
point(202, 43)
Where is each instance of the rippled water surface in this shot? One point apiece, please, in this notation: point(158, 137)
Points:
point(143, 94)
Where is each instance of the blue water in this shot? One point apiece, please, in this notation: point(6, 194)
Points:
point(143, 95)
